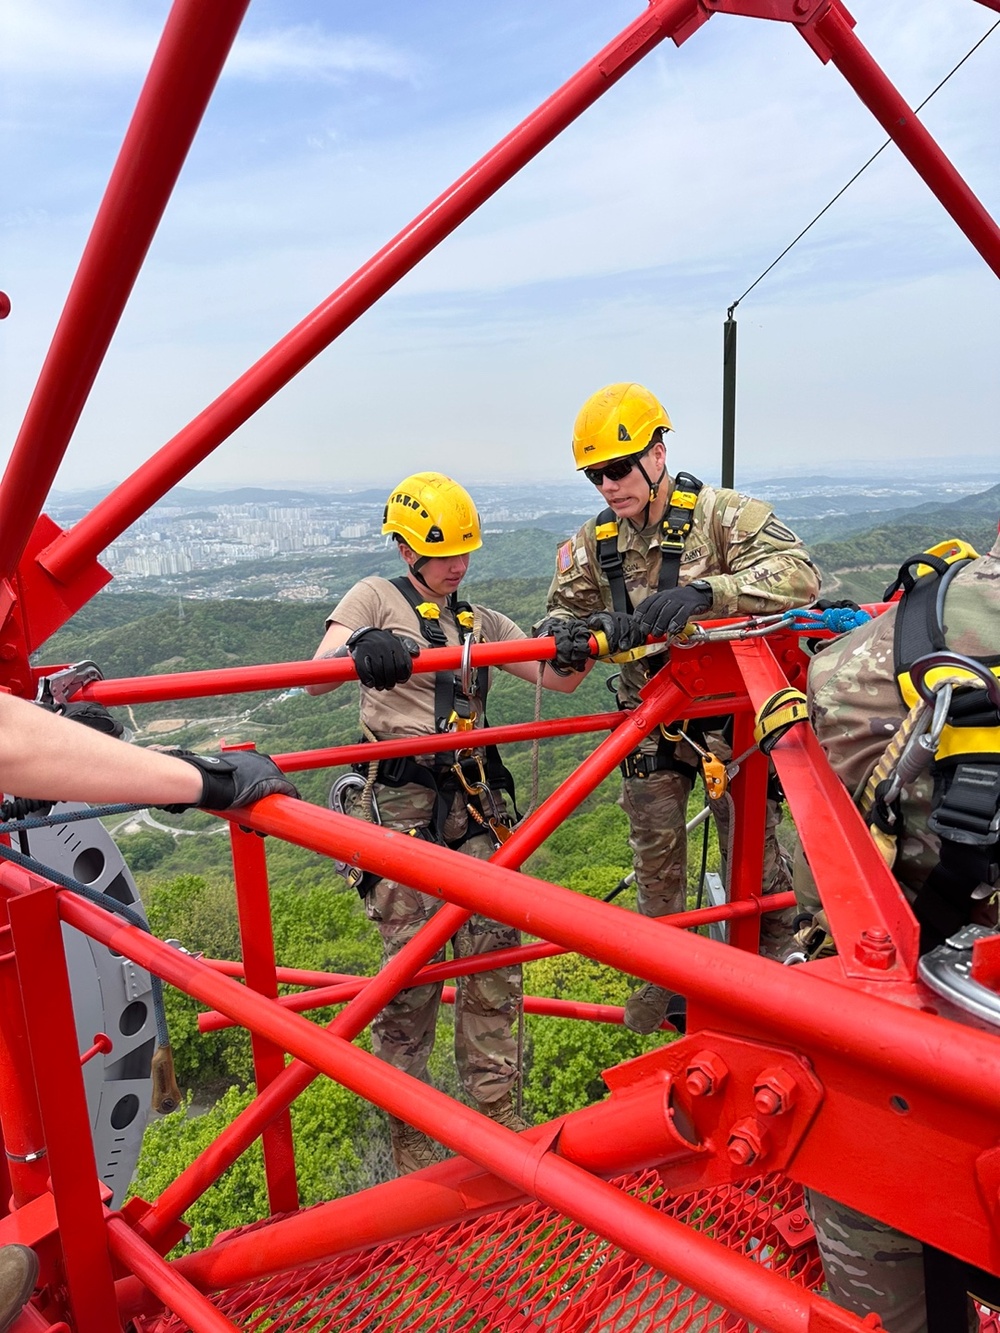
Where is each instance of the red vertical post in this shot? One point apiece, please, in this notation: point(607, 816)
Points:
point(185, 69)
point(749, 792)
point(26, 1167)
point(72, 550)
point(51, 1030)
point(257, 939)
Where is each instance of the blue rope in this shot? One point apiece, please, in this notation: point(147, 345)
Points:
point(838, 619)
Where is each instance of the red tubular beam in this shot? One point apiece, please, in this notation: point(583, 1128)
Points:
point(901, 124)
point(51, 1030)
point(533, 1004)
point(195, 1310)
point(790, 1005)
point(297, 761)
point(330, 992)
point(184, 72)
point(668, 1245)
point(284, 675)
point(253, 903)
point(273, 371)
point(859, 891)
point(23, 1138)
point(399, 971)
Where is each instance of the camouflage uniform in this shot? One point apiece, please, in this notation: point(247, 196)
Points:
point(755, 565)
point(487, 1004)
point(855, 708)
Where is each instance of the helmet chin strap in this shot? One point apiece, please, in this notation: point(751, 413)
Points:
point(415, 569)
point(654, 487)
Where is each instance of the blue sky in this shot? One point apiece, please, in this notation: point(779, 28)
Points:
point(614, 255)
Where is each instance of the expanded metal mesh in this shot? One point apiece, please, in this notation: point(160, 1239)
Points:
point(528, 1268)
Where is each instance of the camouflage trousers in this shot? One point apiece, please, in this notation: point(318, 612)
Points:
point(656, 807)
point(487, 1004)
point(872, 1267)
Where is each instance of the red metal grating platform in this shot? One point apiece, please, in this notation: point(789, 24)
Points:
point(527, 1269)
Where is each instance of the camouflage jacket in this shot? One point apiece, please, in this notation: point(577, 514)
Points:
point(855, 706)
point(754, 564)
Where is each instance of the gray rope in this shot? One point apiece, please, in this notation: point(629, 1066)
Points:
point(68, 817)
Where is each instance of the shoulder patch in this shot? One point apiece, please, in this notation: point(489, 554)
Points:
point(564, 557)
point(778, 531)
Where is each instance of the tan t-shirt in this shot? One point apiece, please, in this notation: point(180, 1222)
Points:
point(407, 710)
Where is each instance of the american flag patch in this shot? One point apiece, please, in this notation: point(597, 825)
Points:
point(564, 557)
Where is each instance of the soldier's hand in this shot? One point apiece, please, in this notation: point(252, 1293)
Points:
point(667, 613)
point(621, 631)
point(382, 659)
point(572, 637)
point(89, 714)
point(232, 779)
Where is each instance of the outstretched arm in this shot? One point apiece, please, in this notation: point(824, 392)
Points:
point(49, 758)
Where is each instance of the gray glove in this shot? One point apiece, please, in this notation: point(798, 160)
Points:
point(233, 779)
point(621, 630)
point(572, 636)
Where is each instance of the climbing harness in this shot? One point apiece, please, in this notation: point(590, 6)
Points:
point(459, 707)
point(674, 528)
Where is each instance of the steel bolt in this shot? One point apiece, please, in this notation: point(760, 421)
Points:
point(875, 949)
point(800, 6)
point(747, 1142)
point(741, 1151)
point(705, 1074)
point(774, 1091)
point(796, 1221)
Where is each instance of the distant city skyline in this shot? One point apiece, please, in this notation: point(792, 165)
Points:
point(613, 255)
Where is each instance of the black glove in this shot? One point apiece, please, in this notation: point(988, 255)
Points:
point(87, 712)
point(233, 779)
point(382, 659)
point(621, 630)
point(668, 612)
point(825, 604)
point(572, 636)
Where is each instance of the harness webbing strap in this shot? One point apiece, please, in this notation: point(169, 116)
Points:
point(448, 696)
point(966, 766)
point(674, 529)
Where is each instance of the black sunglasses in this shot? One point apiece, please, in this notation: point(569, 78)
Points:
point(615, 471)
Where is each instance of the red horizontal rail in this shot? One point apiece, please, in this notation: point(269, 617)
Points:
point(287, 675)
point(333, 989)
point(297, 761)
point(262, 381)
point(792, 1005)
point(669, 1246)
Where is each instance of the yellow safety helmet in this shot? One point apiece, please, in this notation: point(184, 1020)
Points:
point(433, 515)
point(616, 421)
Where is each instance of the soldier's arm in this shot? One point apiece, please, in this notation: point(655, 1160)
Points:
point(50, 758)
point(767, 567)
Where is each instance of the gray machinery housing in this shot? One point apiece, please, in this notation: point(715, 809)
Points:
point(111, 994)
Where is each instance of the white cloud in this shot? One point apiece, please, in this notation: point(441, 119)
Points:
point(86, 43)
point(614, 254)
